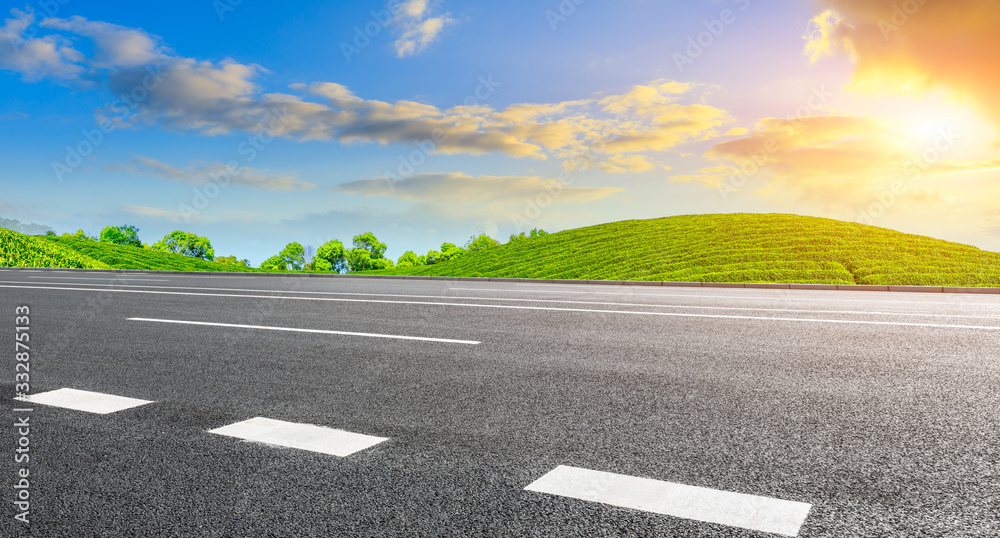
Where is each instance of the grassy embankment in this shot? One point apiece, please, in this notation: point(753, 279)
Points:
point(731, 248)
point(17, 250)
point(696, 248)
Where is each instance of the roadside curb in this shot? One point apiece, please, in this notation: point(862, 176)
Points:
point(770, 286)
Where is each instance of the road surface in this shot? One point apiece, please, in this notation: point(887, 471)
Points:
point(290, 406)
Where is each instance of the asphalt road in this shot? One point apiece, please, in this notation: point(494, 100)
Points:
point(880, 410)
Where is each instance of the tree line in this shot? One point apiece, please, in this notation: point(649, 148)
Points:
point(367, 252)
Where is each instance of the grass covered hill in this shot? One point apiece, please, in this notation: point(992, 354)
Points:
point(128, 257)
point(731, 248)
point(18, 250)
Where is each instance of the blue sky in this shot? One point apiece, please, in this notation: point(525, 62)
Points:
point(328, 144)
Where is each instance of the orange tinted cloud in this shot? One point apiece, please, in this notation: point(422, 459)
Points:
point(832, 161)
point(913, 46)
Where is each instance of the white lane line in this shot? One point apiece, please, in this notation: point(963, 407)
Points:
point(301, 436)
point(694, 295)
point(517, 307)
point(144, 279)
point(751, 512)
point(314, 331)
point(82, 400)
point(208, 274)
point(556, 301)
point(112, 275)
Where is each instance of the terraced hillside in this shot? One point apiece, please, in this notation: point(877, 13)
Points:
point(126, 257)
point(18, 250)
point(731, 248)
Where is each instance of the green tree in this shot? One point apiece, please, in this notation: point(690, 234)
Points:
point(274, 263)
point(481, 242)
point(187, 244)
point(294, 255)
point(535, 232)
point(319, 264)
point(449, 252)
point(432, 257)
point(121, 235)
point(368, 241)
point(231, 260)
point(331, 256)
point(359, 259)
point(408, 259)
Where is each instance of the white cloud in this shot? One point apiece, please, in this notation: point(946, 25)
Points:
point(622, 164)
point(116, 46)
point(202, 173)
point(221, 98)
point(163, 214)
point(418, 30)
point(465, 189)
point(213, 98)
point(36, 58)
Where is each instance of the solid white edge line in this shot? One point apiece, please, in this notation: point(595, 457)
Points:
point(697, 295)
point(753, 512)
point(314, 331)
point(559, 301)
point(513, 307)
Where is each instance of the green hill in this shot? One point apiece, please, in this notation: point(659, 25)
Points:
point(17, 250)
point(693, 248)
point(126, 257)
point(731, 248)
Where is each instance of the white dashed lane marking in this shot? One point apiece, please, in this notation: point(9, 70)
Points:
point(81, 400)
point(144, 279)
point(301, 436)
point(314, 331)
point(751, 512)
